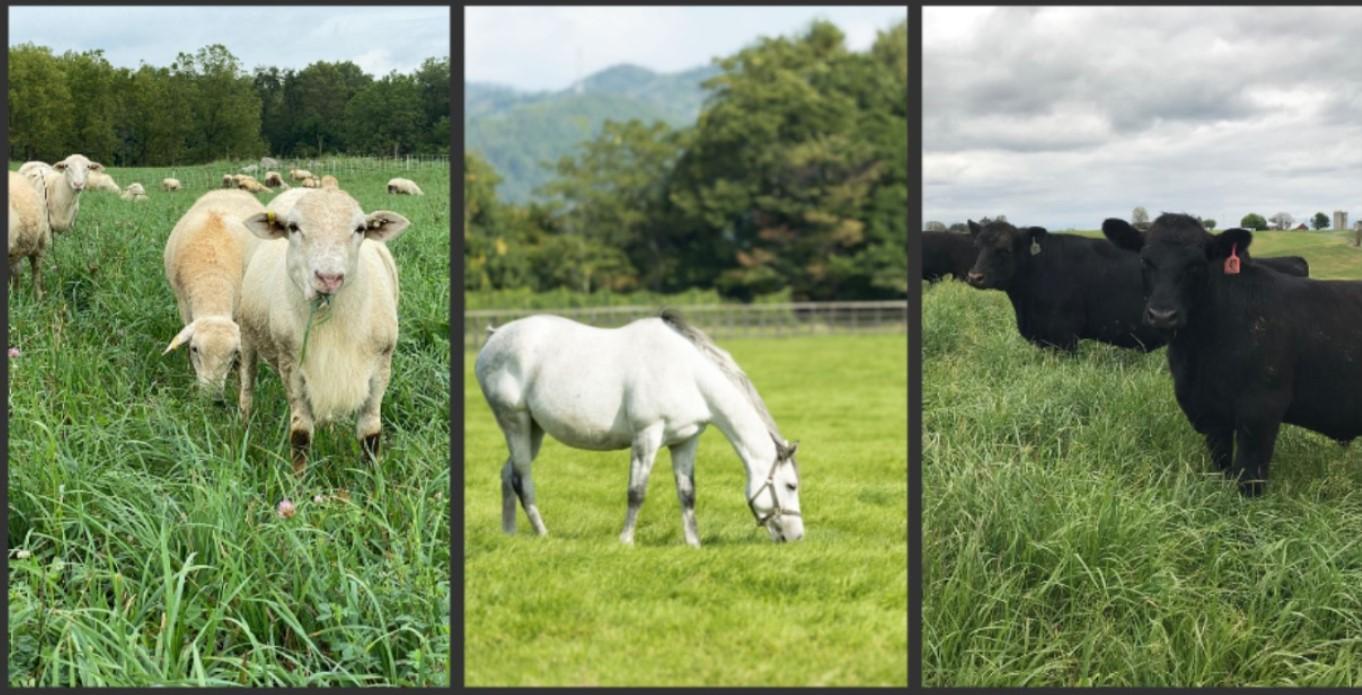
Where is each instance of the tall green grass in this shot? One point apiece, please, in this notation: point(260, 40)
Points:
point(144, 546)
point(578, 608)
point(1075, 532)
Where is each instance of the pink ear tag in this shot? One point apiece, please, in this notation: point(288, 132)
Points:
point(1232, 263)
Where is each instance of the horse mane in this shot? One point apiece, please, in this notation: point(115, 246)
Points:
point(724, 362)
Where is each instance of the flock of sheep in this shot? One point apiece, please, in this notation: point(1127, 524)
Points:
point(307, 283)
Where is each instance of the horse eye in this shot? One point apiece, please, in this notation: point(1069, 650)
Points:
point(791, 487)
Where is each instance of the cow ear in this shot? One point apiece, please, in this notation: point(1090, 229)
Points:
point(973, 227)
point(1122, 234)
point(1235, 240)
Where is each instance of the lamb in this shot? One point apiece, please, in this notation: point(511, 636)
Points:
point(170, 184)
point(319, 304)
point(205, 259)
point(404, 187)
point(330, 181)
point(101, 181)
point(60, 184)
point(29, 232)
point(299, 174)
point(274, 180)
point(135, 192)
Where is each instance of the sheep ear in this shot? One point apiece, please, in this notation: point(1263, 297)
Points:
point(266, 225)
point(96, 166)
point(384, 226)
point(59, 166)
point(181, 338)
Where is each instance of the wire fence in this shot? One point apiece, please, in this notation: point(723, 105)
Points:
point(197, 176)
point(722, 320)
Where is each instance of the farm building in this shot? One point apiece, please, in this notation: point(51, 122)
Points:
point(1340, 219)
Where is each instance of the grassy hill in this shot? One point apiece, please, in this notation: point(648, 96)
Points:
point(1331, 255)
point(523, 133)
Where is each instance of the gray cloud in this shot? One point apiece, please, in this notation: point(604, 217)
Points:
point(1064, 116)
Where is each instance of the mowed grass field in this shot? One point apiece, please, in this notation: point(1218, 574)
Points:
point(144, 546)
point(579, 608)
point(1075, 532)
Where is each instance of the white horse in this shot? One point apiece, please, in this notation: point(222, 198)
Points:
point(655, 382)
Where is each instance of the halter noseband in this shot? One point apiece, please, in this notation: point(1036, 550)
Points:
point(770, 484)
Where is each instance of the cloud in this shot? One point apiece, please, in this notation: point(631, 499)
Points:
point(1064, 116)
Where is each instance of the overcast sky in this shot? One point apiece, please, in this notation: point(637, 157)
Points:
point(378, 39)
point(1061, 117)
point(536, 48)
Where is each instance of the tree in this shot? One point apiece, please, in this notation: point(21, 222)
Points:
point(1320, 221)
point(1139, 219)
point(1282, 220)
point(315, 98)
point(385, 117)
point(934, 226)
point(1253, 221)
point(90, 82)
point(1208, 223)
point(40, 113)
point(959, 227)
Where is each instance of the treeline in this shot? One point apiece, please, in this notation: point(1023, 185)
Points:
point(205, 107)
point(793, 179)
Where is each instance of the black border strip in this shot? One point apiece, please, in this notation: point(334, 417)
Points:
point(914, 347)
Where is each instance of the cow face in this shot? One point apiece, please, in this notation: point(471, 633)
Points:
point(1177, 256)
point(1003, 250)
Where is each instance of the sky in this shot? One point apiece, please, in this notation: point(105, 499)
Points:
point(549, 48)
point(1062, 117)
point(378, 39)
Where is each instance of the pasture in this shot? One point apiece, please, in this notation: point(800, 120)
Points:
point(579, 608)
point(1075, 533)
point(144, 545)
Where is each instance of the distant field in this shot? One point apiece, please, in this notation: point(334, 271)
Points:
point(578, 608)
point(144, 547)
point(1075, 533)
point(1331, 254)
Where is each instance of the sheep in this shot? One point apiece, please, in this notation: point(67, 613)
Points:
point(135, 193)
point(269, 163)
point(29, 232)
point(101, 181)
point(170, 184)
point(274, 180)
point(404, 187)
point(299, 174)
point(205, 259)
point(319, 304)
point(330, 181)
point(311, 182)
point(60, 184)
point(250, 169)
point(229, 180)
point(248, 183)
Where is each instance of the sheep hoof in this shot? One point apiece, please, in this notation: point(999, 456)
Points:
point(300, 440)
point(371, 446)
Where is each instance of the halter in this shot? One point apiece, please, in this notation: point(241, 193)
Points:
point(776, 509)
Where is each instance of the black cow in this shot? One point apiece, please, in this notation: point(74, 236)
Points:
point(946, 253)
point(1063, 287)
point(1250, 349)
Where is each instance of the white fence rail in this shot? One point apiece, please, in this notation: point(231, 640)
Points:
point(722, 320)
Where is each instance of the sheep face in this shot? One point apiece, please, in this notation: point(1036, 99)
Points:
point(325, 229)
point(76, 169)
point(214, 346)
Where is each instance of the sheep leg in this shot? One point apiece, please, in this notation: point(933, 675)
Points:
point(14, 264)
point(37, 276)
point(246, 374)
point(369, 428)
point(300, 417)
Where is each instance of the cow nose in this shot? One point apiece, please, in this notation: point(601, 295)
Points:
point(329, 282)
point(974, 278)
point(1160, 316)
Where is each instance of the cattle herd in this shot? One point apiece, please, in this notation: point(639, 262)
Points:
point(1252, 342)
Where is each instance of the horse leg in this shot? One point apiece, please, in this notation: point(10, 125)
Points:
point(519, 431)
point(683, 466)
point(642, 456)
point(510, 482)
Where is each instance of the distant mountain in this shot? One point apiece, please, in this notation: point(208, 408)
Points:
point(523, 134)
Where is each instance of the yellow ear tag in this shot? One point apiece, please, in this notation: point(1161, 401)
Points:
point(269, 216)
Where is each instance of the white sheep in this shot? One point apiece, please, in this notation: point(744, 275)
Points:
point(61, 183)
point(250, 169)
point(404, 187)
point(269, 163)
point(330, 181)
point(29, 233)
point(248, 183)
point(311, 182)
point(134, 192)
point(205, 259)
point(101, 181)
point(169, 184)
point(319, 304)
point(299, 174)
point(229, 180)
point(274, 180)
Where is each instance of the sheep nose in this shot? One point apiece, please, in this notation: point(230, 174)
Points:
point(329, 282)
